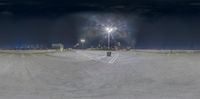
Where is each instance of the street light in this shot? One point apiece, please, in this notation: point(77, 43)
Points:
point(109, 30)
point(82, 42)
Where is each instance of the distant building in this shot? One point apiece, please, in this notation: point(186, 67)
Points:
point(58, 46)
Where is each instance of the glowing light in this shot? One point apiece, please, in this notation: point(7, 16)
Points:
point(110, 29)
point(82, 40)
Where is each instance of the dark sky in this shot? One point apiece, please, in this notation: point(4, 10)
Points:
point(170, 32)
point(150, 24)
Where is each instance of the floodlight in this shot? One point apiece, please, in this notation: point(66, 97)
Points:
point(82, 40)
point(110, 29)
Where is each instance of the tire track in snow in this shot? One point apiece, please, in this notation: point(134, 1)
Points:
point(114, 59)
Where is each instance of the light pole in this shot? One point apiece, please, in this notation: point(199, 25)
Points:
point(108, 40)
point(109, 30)
point(82, 42)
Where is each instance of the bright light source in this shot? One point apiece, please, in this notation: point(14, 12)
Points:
point(82, 40)
point(110, 29)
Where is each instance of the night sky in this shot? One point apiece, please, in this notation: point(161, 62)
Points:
point(176, 27)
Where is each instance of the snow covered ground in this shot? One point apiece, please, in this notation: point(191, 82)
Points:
point(87, 74)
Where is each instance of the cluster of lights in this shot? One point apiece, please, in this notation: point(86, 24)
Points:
point(110, 29)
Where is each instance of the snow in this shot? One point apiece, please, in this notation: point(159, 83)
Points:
point(86, 74)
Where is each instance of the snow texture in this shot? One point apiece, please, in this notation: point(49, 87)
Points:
point(88, 74)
